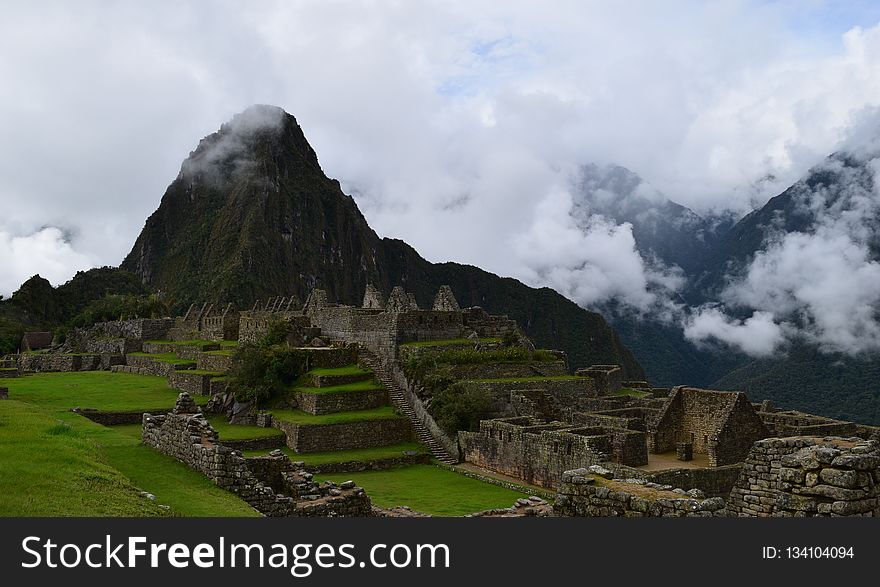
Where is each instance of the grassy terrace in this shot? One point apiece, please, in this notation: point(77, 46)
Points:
point(448, 342)
point(430, 489)
point(627, 391)
point(61, 464)
point(214, 374)
point(169, 358)
point(300, 417)
point(344, 456)
point(368, 385)
point(102, 390)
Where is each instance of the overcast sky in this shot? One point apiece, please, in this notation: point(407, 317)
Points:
point(454, 124)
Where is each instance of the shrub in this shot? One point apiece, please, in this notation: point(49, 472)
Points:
point(458, 407)
point(261, 370)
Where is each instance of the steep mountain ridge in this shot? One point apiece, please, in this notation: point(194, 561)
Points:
point(253, 215)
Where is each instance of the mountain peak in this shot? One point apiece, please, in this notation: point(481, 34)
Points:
point(258, 133)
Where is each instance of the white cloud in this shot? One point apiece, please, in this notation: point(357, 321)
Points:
point(453, 123)
point(46, 252)
point(758, 335)
point(822, 282)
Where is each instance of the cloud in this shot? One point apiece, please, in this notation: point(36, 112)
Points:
point(454, 124)
point(225, 154)
point(590, 264)
point(47, 252)
point(822, 282)
point(758, 335)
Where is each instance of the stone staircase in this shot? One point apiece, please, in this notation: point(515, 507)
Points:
point(398, 398)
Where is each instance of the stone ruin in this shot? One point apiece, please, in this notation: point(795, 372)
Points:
point(4, 393)
point(782, 477)
point(684, 439)
point(273, 485)
point(445, 300)
point(373, 299)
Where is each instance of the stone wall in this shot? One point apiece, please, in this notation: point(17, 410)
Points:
point(138, 329)
point(720, 424)
point(326, 403)
point(500, 370)
point(192, 383)
point(535, 452)
point(713, 481)
point(563, 394)
point(583, 493)
point(214, 362)
point(808, 476)
point(345, 436)
point(186, 435)
point(147, 365)
point(47, 362)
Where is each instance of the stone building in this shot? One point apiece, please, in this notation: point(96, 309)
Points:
point(720, 424)
point(34, 341)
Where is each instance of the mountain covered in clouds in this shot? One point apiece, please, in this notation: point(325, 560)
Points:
point(663, 230)
point(252, 215)
point(782, 304)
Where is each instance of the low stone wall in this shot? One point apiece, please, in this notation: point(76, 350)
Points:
point(211, 362)
point(192, 383)
point(149, 366)
point(806, 476)
point(582, 493)
point(4, 393)
point(113, 418)
point(566, 393)
point(7, 372)
point(327, 403)
point(333, 380)
point(59, 362)
point(186, 435)
point(345, 436)
point(111, 346)
point(713, 481)
point(371, 465)
point(331, 357)
point(268, 442)
point(500, 370)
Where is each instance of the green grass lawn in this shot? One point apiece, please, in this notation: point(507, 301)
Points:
point(300, 417)
point(102, 390)
point(627, 391)
point(430, 489)
point(214, 374)
point(343, 456)
point(347, 370)
point(367, 385)
point(222, 352)
point(62, 464)
point(48, 468)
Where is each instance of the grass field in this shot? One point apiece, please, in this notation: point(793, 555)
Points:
point(300, 417)
point(227, 431)
point(62, 464)
point(430, 489)
point(47, 468)
point(343, 456)
point(102, 390)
